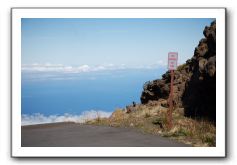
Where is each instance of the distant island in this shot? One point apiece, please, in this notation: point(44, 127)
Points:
point(194, 115)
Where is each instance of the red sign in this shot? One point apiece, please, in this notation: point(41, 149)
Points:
point(172, 60)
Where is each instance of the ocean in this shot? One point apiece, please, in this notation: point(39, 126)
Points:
point(57, 97)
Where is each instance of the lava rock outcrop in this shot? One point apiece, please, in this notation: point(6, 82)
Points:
point(194, 81)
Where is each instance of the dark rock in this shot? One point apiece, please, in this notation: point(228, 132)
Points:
point(199, 97)
point(134, 104)
point(202, 65)
point(130, 109)
point(211, 66)
point(201, 50)
point(154, 90)
point(194, 82)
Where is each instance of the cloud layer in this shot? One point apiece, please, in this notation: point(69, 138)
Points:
point(68, 69)
point(48, 67)
point(39, 118)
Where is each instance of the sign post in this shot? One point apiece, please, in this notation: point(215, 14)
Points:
point(172, 65)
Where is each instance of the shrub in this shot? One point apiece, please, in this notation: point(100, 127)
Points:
point(147, 115)
point(181, 67)
point(210, 139)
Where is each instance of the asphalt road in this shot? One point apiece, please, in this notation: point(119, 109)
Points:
point(77, 135)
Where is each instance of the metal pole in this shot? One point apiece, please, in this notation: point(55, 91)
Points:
point(170, 124)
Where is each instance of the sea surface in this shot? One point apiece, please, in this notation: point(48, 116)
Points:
point(56, 97)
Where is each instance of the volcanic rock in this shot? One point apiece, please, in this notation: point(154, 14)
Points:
point(194, 81)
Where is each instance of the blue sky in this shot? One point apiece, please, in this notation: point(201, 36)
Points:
point(108, 42)
point(85, 66)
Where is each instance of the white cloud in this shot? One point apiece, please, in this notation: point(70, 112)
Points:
point(161, 63)
point(48, 67)
point(68, 69)
point(156, 64)
point(43, 67)
point(84, 68)
point(39, 118)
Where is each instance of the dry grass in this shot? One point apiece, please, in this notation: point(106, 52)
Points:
point(152, 119)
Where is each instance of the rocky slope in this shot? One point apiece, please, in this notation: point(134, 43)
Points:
point(194, 81)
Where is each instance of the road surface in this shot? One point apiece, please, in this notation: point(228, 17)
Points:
point(77, 135)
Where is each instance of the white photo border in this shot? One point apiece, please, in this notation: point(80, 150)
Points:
point(218, 13)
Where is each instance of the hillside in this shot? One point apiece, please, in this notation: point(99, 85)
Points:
point(194, 114)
